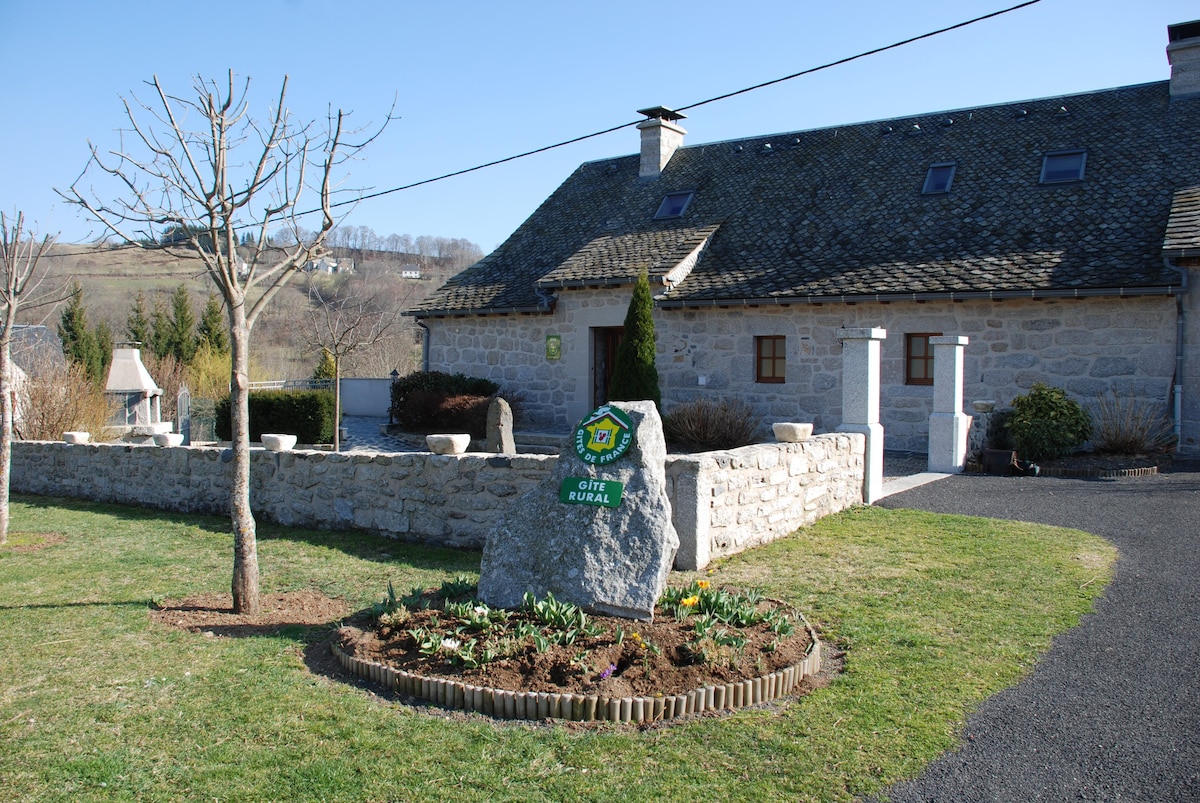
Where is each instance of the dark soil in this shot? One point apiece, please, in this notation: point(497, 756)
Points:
point(213, 613)
point(1091, 462)
point(628, 668)
point(598, 665)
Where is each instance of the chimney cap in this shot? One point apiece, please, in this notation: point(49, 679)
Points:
point(1183, 30)
point(662, 113)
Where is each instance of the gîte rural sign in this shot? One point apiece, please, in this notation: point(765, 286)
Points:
point(603, 436)
point(583, 491)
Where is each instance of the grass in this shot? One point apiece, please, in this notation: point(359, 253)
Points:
point(936, 613)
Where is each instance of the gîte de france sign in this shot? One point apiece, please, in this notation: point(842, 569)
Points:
point(603, 436)
point(583, 491)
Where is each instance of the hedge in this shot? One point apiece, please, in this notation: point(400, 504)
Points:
point(307, 414)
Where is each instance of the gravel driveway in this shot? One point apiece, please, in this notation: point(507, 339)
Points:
point(1112, 713)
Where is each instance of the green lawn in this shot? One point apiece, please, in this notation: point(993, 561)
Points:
point(96, 702)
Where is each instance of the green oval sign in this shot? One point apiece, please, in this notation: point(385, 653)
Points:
point(603, 436)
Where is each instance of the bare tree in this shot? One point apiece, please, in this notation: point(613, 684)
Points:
point(20, 256)
point(343, 322)
point(226, 173)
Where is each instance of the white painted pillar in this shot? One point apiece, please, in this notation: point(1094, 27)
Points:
point(948, 424)
point(860, 401)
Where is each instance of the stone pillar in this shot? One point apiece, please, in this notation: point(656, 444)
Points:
point(860, 401)
point(948, 424)
point(1186, 410)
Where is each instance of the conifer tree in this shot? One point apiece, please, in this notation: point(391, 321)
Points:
point(327, 367)
point(79, 341)
point(137, 325)
point(634, 376)
point(211, 331)
point(181, 338)
point(102, 334)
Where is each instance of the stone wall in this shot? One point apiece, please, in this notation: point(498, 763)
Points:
point(1087, 346)
point(723, 502)
point(728, 502)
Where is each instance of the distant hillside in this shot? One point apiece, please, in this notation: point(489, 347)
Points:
point(112, 278)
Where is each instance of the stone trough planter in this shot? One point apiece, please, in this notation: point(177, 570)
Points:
point(168, 439)
point(448, 444)
point(76, 437)
point(279, 442)
point(792, 432)
point(506, 704)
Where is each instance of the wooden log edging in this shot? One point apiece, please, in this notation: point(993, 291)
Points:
point(505, 704)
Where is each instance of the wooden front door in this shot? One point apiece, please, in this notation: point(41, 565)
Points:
point(605, 341)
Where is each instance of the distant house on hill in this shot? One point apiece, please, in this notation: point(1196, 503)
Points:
point(329, 265)
point(1061, 235)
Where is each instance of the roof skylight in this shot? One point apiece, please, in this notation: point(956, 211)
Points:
point(673, 205)
point(939, 177)
point(1061, 167)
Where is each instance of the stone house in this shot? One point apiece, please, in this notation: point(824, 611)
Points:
point(1060, 235)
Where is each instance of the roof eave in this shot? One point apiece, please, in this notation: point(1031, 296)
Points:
point(955, 295)
point(462, 313)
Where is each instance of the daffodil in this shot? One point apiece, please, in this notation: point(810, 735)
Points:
point(690, 601)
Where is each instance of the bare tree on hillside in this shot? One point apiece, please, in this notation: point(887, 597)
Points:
point(343, 322)
point(227, 174)
point(20, 260)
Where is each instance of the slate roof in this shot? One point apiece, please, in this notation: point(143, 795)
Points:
point(1183, 227)
point(838, 213)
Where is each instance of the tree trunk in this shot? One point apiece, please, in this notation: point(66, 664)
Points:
point(337, 403)
point(245, 546)
point(7, 400)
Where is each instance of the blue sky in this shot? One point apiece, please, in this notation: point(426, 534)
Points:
point(477, 81)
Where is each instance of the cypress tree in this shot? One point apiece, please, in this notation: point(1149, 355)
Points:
point(634, 376)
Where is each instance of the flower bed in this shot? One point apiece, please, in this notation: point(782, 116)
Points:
point(708, 649)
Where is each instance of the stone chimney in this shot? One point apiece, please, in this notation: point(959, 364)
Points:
point(660, 137)
point(1183, 52)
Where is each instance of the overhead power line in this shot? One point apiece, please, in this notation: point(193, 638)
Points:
point(612, 129)
point(725, 96)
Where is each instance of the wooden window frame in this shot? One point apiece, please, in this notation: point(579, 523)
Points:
point(775, 360)
point(924, 360)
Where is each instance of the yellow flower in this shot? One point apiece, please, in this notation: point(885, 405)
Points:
point(702, 584)
point(690, 601)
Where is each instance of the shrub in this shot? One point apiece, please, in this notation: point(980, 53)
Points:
point(307, 414)
point(434, 412)
point(51, 404)
point(426, 401)
point(705, 425)
point(1128, 425)
point(1046, 423)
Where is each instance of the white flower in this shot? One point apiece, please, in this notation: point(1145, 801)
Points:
point(481, 610)
point(451, 644)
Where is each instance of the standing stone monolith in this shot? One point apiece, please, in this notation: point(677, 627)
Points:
point(500, 428)
point(607, 549)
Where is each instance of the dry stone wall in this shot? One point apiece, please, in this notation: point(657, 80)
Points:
point(722, 502)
